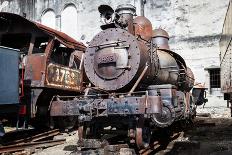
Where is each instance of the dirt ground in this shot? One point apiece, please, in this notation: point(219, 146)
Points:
point(209, 136)
point(205, 139)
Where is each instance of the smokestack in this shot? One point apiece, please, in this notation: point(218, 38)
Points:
point(126, 13)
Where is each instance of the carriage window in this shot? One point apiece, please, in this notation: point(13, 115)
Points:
point(75, 60)
point(61, 54)
point(40, 45)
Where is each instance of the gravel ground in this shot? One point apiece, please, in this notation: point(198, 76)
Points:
point(65, 149)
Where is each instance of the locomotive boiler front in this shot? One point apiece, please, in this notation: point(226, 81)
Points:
point(115, 56)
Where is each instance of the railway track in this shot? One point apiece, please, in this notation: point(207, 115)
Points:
point(111, 145)
point(90, 146)
point(34, 138)
point(93, 146)
point(161, 142)
point(30, 145)
point(40, 140)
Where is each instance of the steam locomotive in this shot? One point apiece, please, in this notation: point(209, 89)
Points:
point(37, 62)
point(135, 83)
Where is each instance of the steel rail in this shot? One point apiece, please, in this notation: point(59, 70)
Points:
point(36, 137)
point(21, 147)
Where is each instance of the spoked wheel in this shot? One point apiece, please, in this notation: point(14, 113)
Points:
point(143, 137)
point(142, 134)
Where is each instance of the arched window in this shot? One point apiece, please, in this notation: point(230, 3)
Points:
point(49, 19)
point(69, 21)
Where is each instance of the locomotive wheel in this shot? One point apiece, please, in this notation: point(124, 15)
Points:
point(41, 120)
point(143, 137)
point(90, 131)
point(86, 133)
point(142, 133)
point(165, 119)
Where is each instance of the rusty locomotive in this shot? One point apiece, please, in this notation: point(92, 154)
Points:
point(136, 83)
point(37, 62)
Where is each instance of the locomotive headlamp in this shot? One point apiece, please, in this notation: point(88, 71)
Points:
point(106, 13)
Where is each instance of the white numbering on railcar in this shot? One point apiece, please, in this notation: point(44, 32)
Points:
point(65, 76)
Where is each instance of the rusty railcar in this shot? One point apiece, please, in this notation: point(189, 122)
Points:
point(49, 63)
point(226, 55)
point(136, 82)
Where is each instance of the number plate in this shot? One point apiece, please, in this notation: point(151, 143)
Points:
point(63, 77)
point(107, 58)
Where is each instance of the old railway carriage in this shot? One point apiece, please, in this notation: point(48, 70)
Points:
point(37, 63)
point(226, 55)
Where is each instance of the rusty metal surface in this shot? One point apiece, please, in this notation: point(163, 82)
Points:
point(160, 33)
point(62, 37)
point(112, 59)
point(226, 52)
point(107, 107)
point(169, 69)
point(63, 77)
point(126, 13)
point(143, 27)
point(154, 105)
point(160, 37)
point(35, 68)
point(164, 109)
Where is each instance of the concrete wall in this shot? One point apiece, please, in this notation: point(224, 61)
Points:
point(194, 25)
